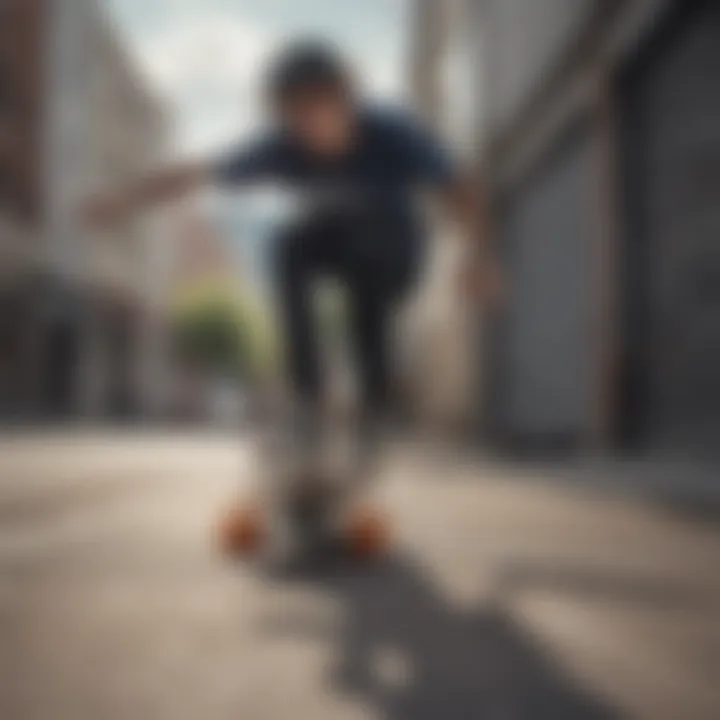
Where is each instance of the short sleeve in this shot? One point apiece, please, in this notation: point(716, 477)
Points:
point(252, 162)
point(425, 157)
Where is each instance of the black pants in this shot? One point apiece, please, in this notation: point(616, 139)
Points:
point(375, 261)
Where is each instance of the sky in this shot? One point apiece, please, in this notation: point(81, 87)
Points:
point(204, 57)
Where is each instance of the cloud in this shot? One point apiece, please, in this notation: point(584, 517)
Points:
point(207, 65)
point(205, 57)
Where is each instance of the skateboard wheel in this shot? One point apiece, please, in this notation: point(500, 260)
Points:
point(368, 534)
point(241, 531)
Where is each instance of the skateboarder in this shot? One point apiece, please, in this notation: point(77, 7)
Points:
point(358, 168)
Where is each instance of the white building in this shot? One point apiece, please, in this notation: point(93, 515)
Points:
point(91, 320)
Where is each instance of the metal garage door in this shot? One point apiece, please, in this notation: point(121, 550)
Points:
point(672, 113)
point(547, 365)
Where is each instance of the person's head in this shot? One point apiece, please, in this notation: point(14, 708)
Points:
point(312, 93)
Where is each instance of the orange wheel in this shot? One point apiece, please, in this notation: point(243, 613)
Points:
point(241, 530)
point(368, 534)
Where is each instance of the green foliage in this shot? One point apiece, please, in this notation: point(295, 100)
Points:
point(220, 330)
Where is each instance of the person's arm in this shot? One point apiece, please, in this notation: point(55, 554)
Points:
point(466, 202)
point(252, 161)
point(163, 186)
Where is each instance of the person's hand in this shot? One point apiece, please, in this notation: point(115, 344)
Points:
point(101, 212)
point(481, 280)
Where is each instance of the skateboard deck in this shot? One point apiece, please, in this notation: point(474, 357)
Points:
point(311, 525)
point(304, 508)
point(309, 503)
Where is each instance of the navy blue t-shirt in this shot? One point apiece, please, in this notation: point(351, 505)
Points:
point(394, 157)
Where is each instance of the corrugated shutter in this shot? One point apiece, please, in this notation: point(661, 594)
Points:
point(547, 360)
point(672, 104)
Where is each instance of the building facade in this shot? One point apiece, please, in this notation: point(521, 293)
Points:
point(439, 332)
point(81, 314)
point(601, 139)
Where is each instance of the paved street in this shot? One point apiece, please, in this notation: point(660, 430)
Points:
point(505, 598)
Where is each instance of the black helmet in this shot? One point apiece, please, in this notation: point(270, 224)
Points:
point(306, 64)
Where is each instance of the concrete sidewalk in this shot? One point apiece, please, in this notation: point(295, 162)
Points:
point(508, 595)
point(683, 485)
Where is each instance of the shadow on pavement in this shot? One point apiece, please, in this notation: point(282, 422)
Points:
point(459, 664)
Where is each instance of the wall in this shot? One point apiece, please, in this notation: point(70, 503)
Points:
point(525, 40)
point(669, 102)
point(22, 30)
point(548, 236)
point(68, 64)
point(103, 127)
point(634, 210)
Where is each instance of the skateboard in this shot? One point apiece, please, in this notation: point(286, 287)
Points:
point(312, 525)
point(309, 508)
